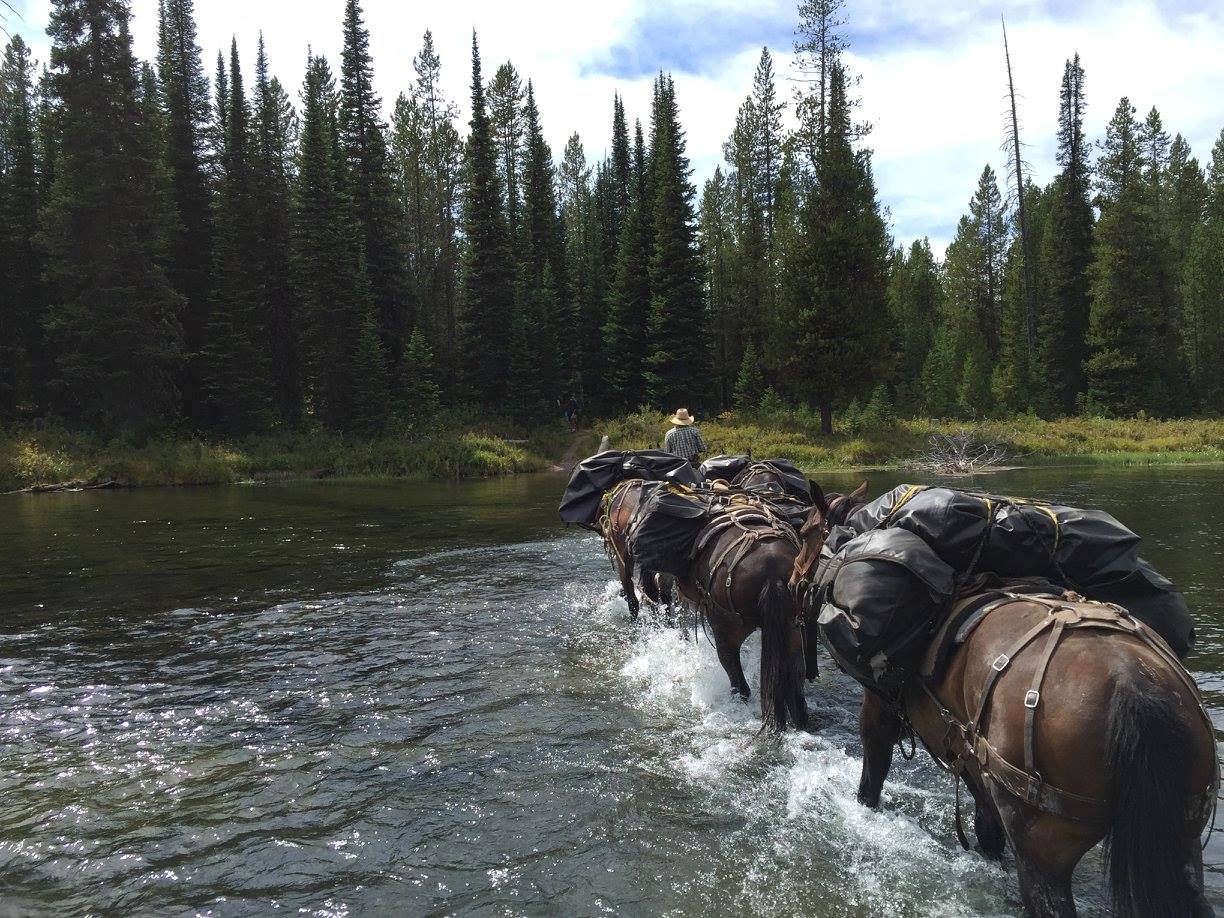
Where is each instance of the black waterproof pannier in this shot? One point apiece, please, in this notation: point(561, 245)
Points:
point(1088, 551)
point(667, 523)
point(879, 595)
point(594, 476)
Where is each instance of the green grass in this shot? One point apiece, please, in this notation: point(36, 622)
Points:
point(29, 458)
point(468, 448)
point(796, 435)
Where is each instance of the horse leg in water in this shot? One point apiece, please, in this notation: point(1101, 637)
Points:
point(728, 638)
point(879, 729)
point(624, 569)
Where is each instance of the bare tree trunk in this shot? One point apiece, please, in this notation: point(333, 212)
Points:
point(1030, 313)
point(826, 417)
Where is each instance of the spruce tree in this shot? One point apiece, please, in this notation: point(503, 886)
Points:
point(1131, 366)
point(1066, 254)
point(839, 283)
point(23, 352)
point(234, 371)
point(274, 125)
point(506, 101)
point(717, 249)
point(915, 302)
point(750, 381)
point(487, 293)
point(1202, 292)
point(677, 368)
point(114, 318)
point(584, 268)
point(185, 101)
point(426, 166)
point(341, 351)
point(368, 184)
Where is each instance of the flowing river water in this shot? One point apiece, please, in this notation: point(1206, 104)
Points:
point(411, 699)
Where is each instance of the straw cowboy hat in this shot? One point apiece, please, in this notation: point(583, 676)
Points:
point(682, 418)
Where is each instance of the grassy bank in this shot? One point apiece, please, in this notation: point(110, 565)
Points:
point(37, 458)
point(1032, 441)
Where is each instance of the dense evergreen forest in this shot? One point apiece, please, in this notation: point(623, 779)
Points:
point(180, 253)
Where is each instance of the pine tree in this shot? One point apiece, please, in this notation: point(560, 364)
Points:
point(620, 185)
point(234, 371)
point(1202, 294)
point(625, 339)
point(368, 184)
point(23, 352)
point(184, 95)
point(1066, 253)
point(543, 254)
point(1130, 367)
point(915, 302)
point(422, 396)
point(717, 249)
point(426, 166)
point(506, 117)
point(677, 368)
point(584, 268)
point(114, 317)
point(274, 125)
point(339, 341)
point(750, 382)
point(839, 283)
point(487, 294)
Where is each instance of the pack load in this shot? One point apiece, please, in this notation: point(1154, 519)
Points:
point(674, 522)
point(735, 470)
point(1087, 551)
point(592, 477)
point(879, 595)
point(666, 526)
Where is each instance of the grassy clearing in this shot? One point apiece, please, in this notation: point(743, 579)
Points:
point(796, 435)
point(29, 458)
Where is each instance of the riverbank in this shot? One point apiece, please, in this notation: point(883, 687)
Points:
point(40, 459)
point(33, 459)
point(1025, 440)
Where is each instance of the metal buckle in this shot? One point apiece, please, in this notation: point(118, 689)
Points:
point(1031, 698)
point(1000, 662)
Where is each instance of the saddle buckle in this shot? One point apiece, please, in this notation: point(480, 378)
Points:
point(1031, 697)
point(1033, 793)
point(1000, 662)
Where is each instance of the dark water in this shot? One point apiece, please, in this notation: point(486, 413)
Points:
point(336, 699)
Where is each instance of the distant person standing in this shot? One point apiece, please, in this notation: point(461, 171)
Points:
point(684, 439)
point(572, 407)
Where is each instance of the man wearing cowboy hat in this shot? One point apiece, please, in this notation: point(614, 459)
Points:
point(684, 439)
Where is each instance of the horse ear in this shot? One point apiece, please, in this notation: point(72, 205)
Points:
point(818, 496)
point(860, 493)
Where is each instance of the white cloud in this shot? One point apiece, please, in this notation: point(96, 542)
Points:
point(933, 81)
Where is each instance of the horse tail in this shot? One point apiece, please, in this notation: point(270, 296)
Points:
point(1150, 747)
point(782, 663)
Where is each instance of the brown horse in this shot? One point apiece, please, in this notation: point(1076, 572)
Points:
point(620, 505)
point(1071, 723)
point(738, 580)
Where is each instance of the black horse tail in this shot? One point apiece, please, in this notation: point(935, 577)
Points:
point(782, 663)
point(1150, 859)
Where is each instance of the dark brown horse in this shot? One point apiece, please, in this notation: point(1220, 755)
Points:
point(620, 505)
point(1071, 723)
point(738, 580)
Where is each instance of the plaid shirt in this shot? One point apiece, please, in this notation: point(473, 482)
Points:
point(685, 442)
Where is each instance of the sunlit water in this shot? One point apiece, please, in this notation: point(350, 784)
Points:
point(342, 699)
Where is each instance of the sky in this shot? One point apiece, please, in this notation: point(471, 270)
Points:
point(933, 83)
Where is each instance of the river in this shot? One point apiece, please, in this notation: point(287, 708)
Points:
point(383, 698)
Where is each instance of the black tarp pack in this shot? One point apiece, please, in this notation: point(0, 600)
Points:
point(666, 525)
point(592, 477)
point(1088, 551)
point(879, 595)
